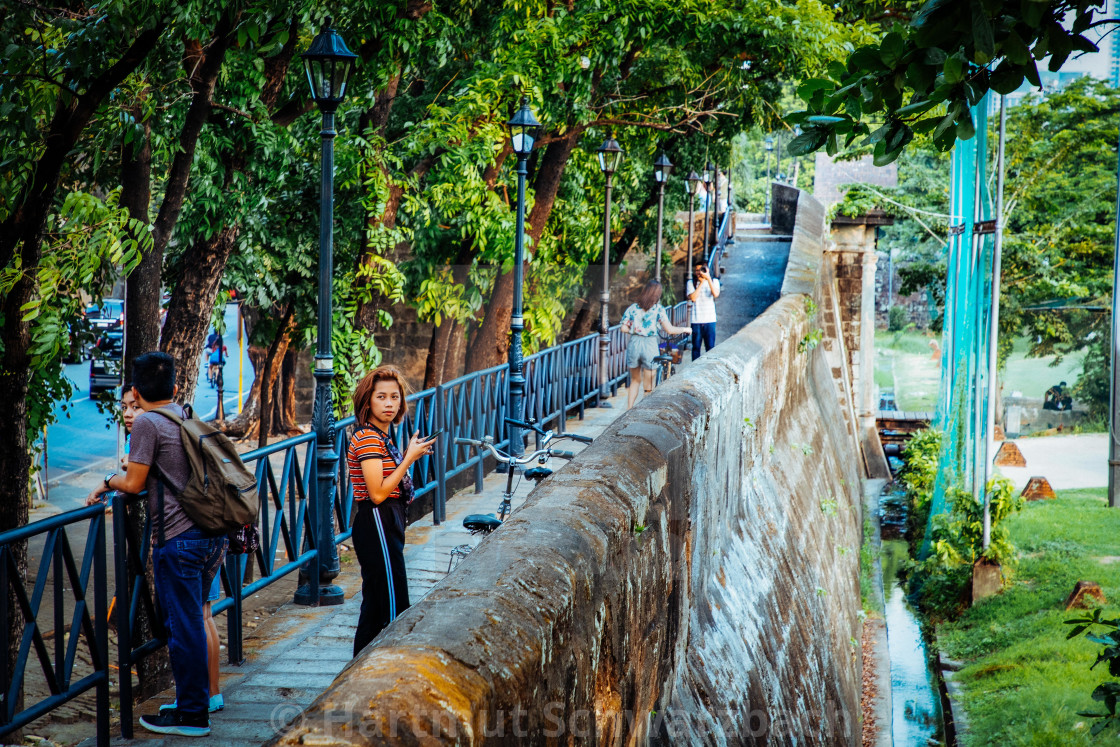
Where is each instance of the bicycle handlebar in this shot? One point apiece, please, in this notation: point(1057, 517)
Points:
point(526, 426)
point(563, 454)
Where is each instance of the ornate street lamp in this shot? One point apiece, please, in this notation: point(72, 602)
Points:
point(328, 63)
point(610, 157)
point(523, 129)
point(662, 167)
point(692, 184)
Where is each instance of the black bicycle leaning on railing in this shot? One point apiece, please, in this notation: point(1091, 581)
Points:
point(667, 359)
point(486, 523)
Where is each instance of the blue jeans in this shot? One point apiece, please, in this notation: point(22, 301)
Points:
point(184, 568)
point(705, 333)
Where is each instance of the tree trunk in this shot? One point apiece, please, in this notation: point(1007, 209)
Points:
point(188, 313)
point(246, 423)
point(491, 345)
point(20, 245)
point(284, 412)
point(271, 372)
point(142, 290)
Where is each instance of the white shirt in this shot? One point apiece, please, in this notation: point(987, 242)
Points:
point(704, 307)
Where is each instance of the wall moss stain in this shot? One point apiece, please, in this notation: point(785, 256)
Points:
point(726, 620)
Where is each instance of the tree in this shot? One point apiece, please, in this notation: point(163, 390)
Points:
point(922, 77)
point(1058, 240)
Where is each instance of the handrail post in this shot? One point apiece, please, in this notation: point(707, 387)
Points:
point(101, 632)
point(123, 609)
point(439, 507)
point(234, 634)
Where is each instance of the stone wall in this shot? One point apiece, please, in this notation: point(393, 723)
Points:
point(691, 578)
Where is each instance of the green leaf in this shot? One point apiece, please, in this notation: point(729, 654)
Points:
point(811, 86)
point(954, 69)
point(826, 120)
point(982, 35)
point(1006, 78)
point(892, 49)
point(917, 107)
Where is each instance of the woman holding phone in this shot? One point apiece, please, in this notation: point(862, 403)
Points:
point(703, 290)
point(382, 492)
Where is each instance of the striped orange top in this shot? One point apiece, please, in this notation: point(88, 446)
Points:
point(369, 443)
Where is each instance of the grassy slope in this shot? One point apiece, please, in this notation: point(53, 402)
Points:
point(1024, 682)
point(903, 361)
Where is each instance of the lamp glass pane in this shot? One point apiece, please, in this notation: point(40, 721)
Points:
point(341, 73)
point(318, 79)
point(310, 79)
point(602, 162)
point(615, 160)
point(522, 140)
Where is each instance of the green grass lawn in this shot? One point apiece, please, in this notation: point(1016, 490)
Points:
point(904, 363)
point(1024, 682)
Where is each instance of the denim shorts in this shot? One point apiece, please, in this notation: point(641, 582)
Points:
point(641, 351)
point(215, 588)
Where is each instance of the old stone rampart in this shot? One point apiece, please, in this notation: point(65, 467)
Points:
point(691, 578)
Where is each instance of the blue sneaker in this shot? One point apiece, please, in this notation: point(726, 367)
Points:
point(178, 723)
point(217, 703)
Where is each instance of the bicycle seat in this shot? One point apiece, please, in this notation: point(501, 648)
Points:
point(481, 523)
point(537, 474)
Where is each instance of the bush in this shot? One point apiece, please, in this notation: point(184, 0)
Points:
point(956, 542)
point(897, 319)
point(956, 537)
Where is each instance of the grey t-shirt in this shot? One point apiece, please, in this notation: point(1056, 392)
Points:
point(156, 443)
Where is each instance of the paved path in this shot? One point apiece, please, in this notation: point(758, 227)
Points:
point(1067, 462)
point(752, 280)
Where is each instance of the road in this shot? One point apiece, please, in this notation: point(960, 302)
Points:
point(84, 438)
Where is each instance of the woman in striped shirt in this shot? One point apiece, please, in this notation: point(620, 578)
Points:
point(382, 491)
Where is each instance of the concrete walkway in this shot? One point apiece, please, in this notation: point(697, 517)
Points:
point(296, 654)
point(1068, 462)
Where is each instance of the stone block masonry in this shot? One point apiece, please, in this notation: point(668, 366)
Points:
point(691, 578)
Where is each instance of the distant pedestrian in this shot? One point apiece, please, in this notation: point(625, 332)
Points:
point(702, 290)
point(185, 558)
point(641, 321)
point(382, 492)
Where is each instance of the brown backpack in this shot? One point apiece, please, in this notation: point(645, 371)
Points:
point(221, 493)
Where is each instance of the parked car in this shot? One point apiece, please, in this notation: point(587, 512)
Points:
point(105, 366)
point(110, 313)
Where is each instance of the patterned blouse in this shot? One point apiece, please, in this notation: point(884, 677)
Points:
point(644, 323)
point(369, 443)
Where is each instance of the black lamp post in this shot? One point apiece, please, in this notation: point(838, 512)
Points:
point(711, 179)
point(778, 160)
point(610, 156)
point(766, 201)
point(692, 184)
point(662, 167)
point(523, 129)
point(328, 63)
point(707, 201)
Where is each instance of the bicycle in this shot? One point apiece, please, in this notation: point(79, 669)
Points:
point(675, 345)
point(485, 524)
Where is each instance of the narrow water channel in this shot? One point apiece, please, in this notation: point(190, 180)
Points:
point(916, 718)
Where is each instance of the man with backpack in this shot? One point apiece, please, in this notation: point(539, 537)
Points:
point(185, 555)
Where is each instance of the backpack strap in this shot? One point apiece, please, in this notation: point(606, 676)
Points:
point(161, 481)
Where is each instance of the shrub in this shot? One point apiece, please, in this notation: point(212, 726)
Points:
point(897, 319)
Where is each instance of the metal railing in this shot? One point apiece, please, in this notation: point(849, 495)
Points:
point(561, 381)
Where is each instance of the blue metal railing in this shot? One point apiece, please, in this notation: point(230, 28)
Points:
point(561, 381)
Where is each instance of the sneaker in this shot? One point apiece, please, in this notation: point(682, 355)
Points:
point(217, 703)
point(178, 723)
